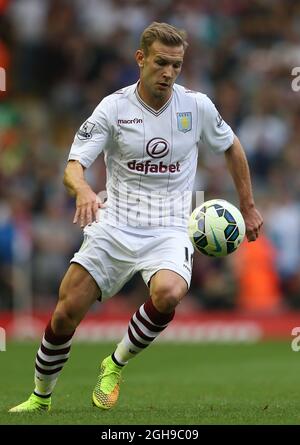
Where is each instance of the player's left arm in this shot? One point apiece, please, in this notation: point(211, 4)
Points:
point(239, 169)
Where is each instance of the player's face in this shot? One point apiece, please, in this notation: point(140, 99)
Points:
point(159, 69)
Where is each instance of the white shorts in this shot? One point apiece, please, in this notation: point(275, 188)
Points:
point(113, 255)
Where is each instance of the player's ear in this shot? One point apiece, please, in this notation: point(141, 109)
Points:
point(139, 57)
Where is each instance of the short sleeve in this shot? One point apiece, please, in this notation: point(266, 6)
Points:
point(92, 137)
point(216, 133)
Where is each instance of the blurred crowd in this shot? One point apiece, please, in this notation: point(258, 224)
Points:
point(61, 57)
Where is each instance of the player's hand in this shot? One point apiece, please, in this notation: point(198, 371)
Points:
point(253, 222)
point(87, 207)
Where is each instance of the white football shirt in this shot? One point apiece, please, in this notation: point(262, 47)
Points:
point(150, 156)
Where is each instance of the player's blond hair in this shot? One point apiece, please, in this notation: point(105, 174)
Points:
point(164, 33)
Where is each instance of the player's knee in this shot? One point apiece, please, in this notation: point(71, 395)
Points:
point(166, 297)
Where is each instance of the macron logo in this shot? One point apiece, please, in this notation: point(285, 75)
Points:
point(130, 121)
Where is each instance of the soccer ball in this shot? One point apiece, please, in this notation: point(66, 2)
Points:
point(216, 228)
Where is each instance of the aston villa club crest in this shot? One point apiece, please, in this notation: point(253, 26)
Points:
point(184, 121)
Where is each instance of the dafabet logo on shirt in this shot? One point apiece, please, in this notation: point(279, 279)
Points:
point(151, 167)
point(156, 148)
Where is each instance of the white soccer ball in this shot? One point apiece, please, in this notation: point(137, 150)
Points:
point(216, 228)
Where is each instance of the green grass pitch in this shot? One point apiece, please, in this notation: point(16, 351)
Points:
point(169, 384)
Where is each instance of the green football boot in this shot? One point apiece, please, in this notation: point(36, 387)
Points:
point(33, 404)
point(106, 392)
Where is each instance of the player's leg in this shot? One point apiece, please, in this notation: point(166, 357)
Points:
point(165, 264)
point(167, 288)
point(78, 291)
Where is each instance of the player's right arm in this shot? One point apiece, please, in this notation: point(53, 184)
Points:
point(87, 202)
point(90, 140)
